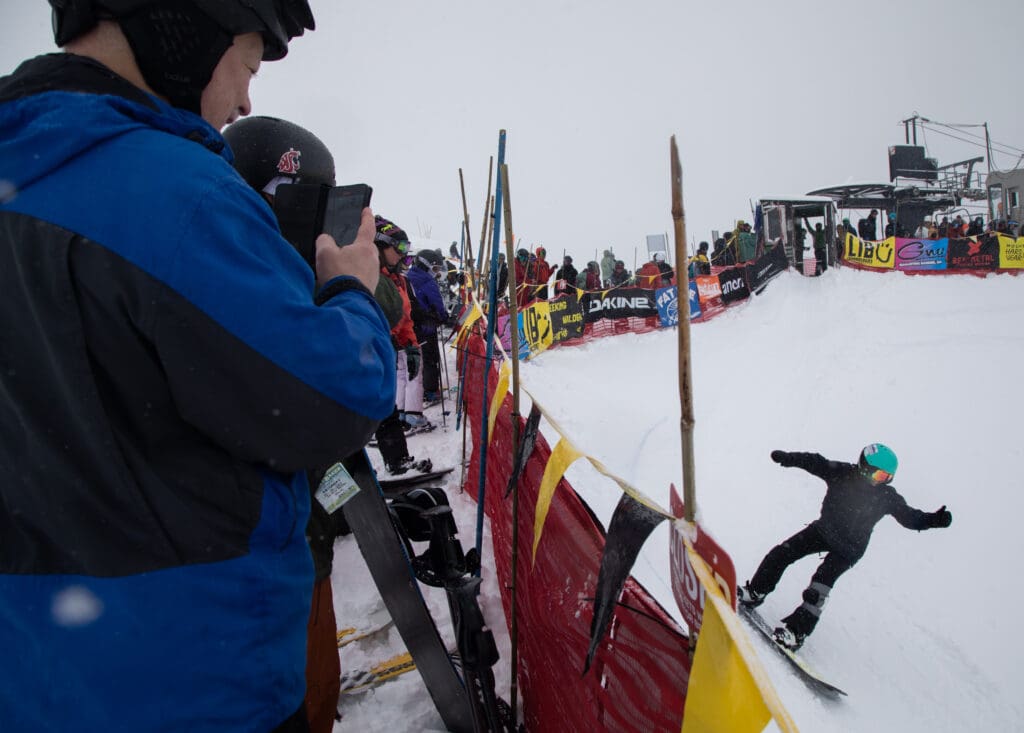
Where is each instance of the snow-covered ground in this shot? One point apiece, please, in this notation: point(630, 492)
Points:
point(922, 632)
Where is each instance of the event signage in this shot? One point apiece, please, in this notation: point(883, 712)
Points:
point(566, 318)
point(734, 284)
point(981, 253)
point(921, 254)
point(766, 267)
point(880, 255)
point(618, 303)
point(668, 305)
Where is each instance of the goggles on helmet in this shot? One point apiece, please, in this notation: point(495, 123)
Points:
point(383, 240)
point(876, 475)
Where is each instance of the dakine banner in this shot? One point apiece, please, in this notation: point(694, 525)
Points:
point(566, 318)
point(766, 267)
point(734, 284)
point(619, 303)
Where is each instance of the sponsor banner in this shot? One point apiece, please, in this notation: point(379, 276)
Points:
point(976, 253)
point(534, 329)
point(708, 287)
point(566, 318)
point(734, 284)
point(618, 303)
point(766, 267)
point(668, 305)
point(1011, 253)
point(686, 589)
point(921, 254)
point(880, 255)
point(695, 309)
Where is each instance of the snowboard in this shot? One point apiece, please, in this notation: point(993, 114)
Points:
point(386, 558)
point(810, 677)
point(407, 480)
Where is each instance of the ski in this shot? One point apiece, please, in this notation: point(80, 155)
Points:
point(378, 622)
point(385, 555)
point(402, 481)
point(810, 677)
point(364, 679)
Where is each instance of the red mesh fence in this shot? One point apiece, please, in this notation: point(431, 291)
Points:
point(639, 676)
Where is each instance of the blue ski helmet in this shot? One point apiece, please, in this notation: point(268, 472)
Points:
point(878, 463)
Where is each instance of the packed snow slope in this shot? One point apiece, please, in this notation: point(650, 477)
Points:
point(922, 633)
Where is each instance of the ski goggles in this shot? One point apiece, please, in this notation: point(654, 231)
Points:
point(877, 475)
point(384, 240)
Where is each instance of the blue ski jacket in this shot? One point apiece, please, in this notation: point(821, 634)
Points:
point(165, 380)
point(428, 294)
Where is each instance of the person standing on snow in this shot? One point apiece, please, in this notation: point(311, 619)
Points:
point(271, 153)
point(524, 292)
point(857, 496)
point(538, 273)
point(566, 277)
point(429, 314)
point(171, 371)
point(607, 266)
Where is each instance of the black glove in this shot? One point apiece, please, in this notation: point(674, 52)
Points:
point(782, 458)
point(941, 518)
point(412, 361)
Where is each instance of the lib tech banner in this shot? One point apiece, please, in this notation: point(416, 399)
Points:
point(921, 254)
point(566, 318)
point(534, 329)
point(734, 284)
point(880, 255)
point(618, 303)
point(981, 253)
point(766, 267)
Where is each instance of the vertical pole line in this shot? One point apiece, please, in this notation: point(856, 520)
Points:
point(685, 375)
point(467, 257)
point(514, 328)
point(491, 324)
point(484, 223)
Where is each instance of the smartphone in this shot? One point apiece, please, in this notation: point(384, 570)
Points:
point(343, 211)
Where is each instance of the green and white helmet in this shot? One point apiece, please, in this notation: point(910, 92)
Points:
point(878, 463)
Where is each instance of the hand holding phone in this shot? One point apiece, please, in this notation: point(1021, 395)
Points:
point(359, 259)
point(343, 211)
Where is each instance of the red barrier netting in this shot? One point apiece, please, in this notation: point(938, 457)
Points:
point(640, 672)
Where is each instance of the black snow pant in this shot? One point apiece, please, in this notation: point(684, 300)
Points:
point(391, 440)
point(431, 363)
point(807, 541)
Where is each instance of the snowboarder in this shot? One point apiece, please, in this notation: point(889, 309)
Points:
point(857, 496)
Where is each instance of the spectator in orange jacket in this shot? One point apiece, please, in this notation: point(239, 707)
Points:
point(538, 273)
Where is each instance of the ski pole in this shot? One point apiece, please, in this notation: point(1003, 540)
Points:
point(443, 386)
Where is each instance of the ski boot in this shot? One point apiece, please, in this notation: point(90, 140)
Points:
point(784, 636)
point(409, 463)
point(748, 596)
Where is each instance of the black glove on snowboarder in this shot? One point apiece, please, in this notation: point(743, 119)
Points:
point(941, 518)
point(782, 458)
point(412, 361)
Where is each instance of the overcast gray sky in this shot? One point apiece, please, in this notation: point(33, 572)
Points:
point(764, 99)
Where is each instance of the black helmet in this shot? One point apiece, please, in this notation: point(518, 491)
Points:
point(428, 258)
point(178, 43)
point(267, 148)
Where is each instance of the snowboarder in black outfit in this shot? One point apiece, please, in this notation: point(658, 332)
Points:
point(858, 495)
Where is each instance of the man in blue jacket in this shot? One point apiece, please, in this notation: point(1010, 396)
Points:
point(427, 314)
point(166, 380)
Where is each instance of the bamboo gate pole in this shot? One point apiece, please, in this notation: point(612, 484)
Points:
point(514, 329)
point(686, 420)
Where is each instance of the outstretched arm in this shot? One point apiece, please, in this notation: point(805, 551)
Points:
point(813, 463)
point(916, 519)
